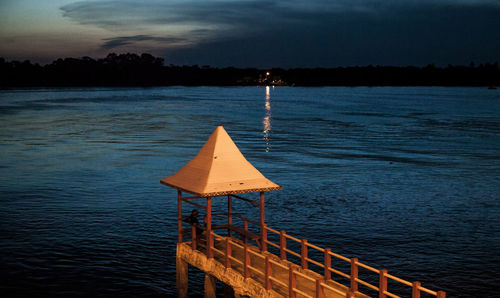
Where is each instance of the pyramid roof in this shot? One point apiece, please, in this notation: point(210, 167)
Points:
point(219, 169)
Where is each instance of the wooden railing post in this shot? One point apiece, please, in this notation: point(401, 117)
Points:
point(304, 254)
point(263, 231)
point(382, 285)
point(245, 225)
point(282, 245)
point(354, 275)
point(246, 262)
point(319, 289)
point(327, 264)
point(179, 216)
point(441, 294)
point(229, 215)
point(193, 237)
point(228, 252)
point(291, 282)
point(264, 238)
point(268, 273)
point(210, 253)
point(350, 294)
point(415, 292)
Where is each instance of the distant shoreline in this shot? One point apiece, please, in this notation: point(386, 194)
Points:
point(131, 70)
point(30, 88)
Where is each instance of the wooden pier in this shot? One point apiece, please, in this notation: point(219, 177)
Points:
point(254, 266)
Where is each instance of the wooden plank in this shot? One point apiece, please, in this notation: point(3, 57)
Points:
point(246, 200)
point(192, 198)
point(194, 204)
point(244, 218)
point(241, 231)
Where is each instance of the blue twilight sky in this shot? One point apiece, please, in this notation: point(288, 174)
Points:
point(256, 33)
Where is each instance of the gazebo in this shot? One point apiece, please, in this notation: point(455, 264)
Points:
point(219, 169)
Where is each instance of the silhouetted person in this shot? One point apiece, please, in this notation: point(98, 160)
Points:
point(193, 221)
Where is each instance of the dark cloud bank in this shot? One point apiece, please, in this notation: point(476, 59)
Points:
point(112, 43)
point(308, 34)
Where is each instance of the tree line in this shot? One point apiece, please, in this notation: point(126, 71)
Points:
point(147, 70)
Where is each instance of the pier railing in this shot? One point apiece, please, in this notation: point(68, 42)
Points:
point(355, 265)
point(326, 264)
point(304, 254)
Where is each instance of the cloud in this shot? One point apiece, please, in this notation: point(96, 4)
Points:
point(229, 17)
point(296, 32)
point(441, 35)
point(115, 42)
point(110, 14)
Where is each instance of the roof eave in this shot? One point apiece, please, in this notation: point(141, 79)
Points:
point(222, 193)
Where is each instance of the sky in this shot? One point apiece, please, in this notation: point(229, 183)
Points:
point(256, 33)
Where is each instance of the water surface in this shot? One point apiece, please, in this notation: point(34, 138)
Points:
point(405, 179)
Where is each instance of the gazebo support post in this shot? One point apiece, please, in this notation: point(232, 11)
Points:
point(263, 232)
point(210, 253)
point(179, 216)
point(229, 215)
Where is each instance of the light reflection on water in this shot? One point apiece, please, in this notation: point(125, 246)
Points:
point(267, 119)
point(404, 178)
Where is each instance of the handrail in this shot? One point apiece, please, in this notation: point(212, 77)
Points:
point(246, 200)
point(324, 285)
point(255, 270)
point(274, 279)
point(194, 204)
point(292, 252)
point(315, 247)
point(237, 260)
point(244, 218)
point(428, 291)
point(353, 277)
point(258, 254)
point(237, 245)
point(278, 264)
point(391, 294)
point(192, 198)
point(339, 273)
point(218, 251)
point(398, 279)
point(340, 257)
point(272, 244)
point(239, 216)
point(328, 267)
point(293, 238)
point(272, 230)
point(303, 275)
point(303, 255)
point(367, 284)
point(222, 213)
point(302, 293)
point(315, 263)
point(217, 235)
point(371, 269)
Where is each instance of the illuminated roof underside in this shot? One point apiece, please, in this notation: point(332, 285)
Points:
point(219, 169)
